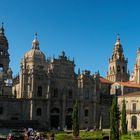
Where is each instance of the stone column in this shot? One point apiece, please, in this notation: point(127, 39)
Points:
point(94, 114)
point(48, 105)
point(31, 109)
point(81, 121)
point(129, 122)
point(63, 109)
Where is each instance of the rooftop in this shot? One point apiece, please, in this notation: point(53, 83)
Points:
point(105, 81)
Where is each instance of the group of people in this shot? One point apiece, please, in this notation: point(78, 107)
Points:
point(35, 136)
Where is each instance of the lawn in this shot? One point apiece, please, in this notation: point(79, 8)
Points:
point(83, 136)
point(128, 137)
point(91, 136)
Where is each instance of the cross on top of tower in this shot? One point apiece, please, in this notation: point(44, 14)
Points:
point(118, 36)
point(36, 35)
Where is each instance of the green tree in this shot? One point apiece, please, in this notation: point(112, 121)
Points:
point(114, 120)
point(123, 119)
point(75, 123)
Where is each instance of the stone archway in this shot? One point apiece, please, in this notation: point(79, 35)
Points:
point(54, 121)
point(68, 121)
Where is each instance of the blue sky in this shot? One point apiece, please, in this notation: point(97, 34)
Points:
point(84, 29)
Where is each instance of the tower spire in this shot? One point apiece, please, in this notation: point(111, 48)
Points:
point(2, 28)
point(117, 70)
point(118, 40)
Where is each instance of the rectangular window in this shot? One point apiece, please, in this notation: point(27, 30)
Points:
point(134, 107)
point(55, 94)
point(86, 113)
point(70, 94)
point(39, 92)
point(38, 112)
point(1, 110)
point(86, 93)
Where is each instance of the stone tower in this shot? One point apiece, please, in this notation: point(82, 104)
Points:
point(117, 71)
point(5, 71)
point(33, 61)
point(135, 77)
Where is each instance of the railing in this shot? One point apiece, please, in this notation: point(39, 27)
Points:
point(130, 111)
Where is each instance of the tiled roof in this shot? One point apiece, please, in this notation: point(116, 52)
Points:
point(129, 84)
point(137, 93)
point(105, 81)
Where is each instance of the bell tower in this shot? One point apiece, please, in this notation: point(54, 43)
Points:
point(117, 71)
point(136, 71)
point(5, 71)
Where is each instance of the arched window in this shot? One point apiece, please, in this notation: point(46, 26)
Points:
point(118, 68)
point(38, 111)
point(123, 69)
point(39, 91)
point(55, 110)
point(110, 70)
point(113, 69)
point(134, 122)
point(86, 112)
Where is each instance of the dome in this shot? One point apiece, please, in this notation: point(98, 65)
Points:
point(35, 52)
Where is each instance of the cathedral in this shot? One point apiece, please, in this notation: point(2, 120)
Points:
point(44, 92)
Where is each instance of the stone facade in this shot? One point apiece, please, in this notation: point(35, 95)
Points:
point(53, 87)
point(132, 101)
point(5, 71)
point(46, 89)
point(105, 101)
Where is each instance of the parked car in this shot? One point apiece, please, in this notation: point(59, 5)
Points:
point(3, 133)
point(16, 134)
